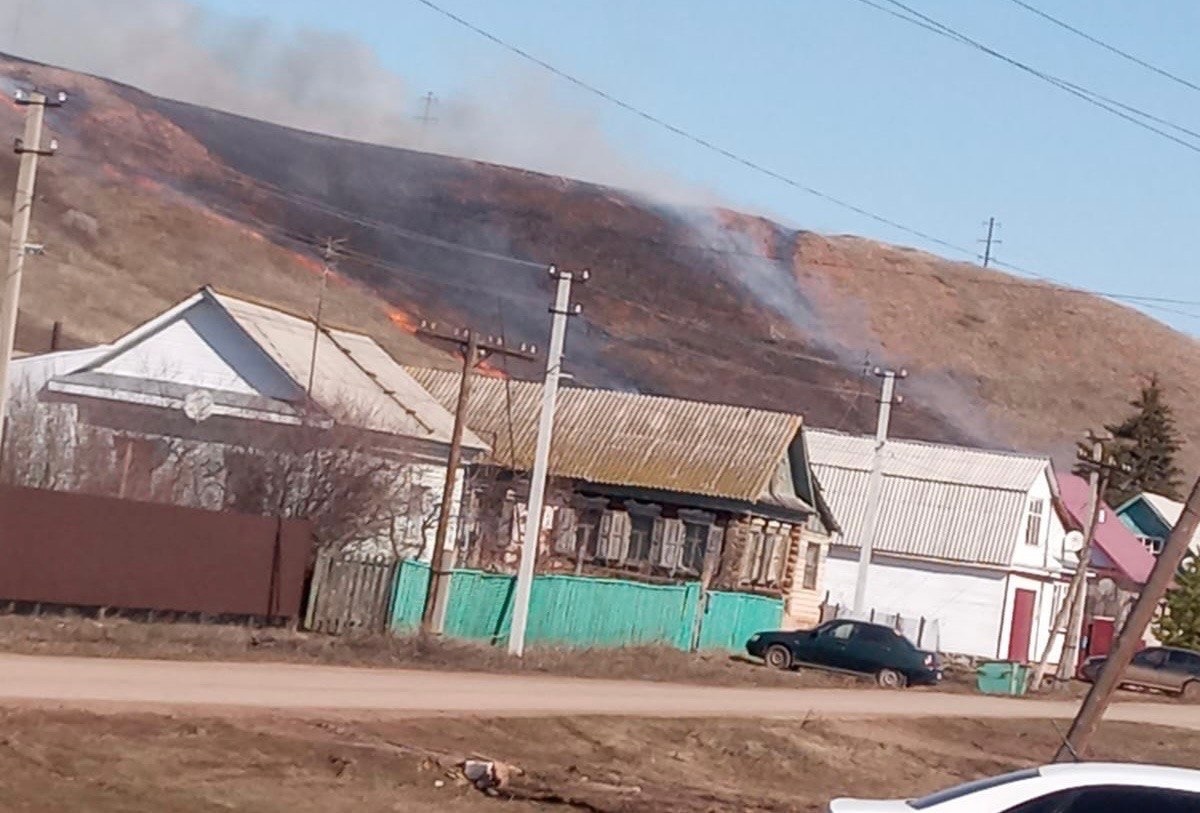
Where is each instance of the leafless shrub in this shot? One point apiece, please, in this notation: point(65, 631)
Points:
point(357, 487)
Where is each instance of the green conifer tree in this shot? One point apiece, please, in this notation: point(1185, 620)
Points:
point(1179, 625)
point(1145, 449)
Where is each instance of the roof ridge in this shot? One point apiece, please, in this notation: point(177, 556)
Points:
point(931, 444)
point(623, 394)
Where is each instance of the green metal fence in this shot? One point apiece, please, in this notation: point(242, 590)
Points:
point(586, 612)
point(730, 618)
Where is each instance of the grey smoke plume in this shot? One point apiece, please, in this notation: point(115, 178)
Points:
point(319, 81)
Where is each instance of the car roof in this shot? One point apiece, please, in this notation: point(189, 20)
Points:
point(1123, 773)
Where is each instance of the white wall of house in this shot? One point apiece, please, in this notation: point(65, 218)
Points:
point(204, 348)
point(1040, 534)
point(1049, 594)
point(968, 603)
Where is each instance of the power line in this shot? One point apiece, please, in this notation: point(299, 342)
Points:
point(695, 139)
point(1107, 46)
point(1039, 282)
point(1120, 109)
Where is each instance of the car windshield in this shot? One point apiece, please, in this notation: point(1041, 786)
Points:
point(959, 791)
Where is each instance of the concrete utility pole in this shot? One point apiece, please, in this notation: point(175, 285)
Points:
point(474, 350)
point(29, 147)
point(1098, 697)
point(875, 484)
point(329, 253)
point(541, 458)
point(989, 241)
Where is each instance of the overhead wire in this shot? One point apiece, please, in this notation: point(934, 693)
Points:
point(1163, 72)
point(1130, 113)
point(1037, 281)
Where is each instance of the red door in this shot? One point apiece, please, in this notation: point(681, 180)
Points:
point(1022, 625)
point(1100, 635)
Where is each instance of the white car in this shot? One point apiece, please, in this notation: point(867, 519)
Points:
point(1085, 787)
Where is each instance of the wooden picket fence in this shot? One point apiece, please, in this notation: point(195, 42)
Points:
point(350, 593)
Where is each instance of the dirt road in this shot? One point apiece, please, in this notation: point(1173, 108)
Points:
point(86, 682)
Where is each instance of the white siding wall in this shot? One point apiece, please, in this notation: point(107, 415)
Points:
point(968, 603)
point(1043, 610)
point(1050, 540)
point(202, 350)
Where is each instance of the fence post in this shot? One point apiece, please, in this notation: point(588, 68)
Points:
point(921, 633)
point(872, 615)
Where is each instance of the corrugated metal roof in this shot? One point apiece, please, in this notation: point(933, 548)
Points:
point(618, 438)
point(928, 461)
point(940, 502)
point(354, 375)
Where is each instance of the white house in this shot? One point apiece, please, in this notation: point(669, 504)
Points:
point(214, 365)
point(971, 540)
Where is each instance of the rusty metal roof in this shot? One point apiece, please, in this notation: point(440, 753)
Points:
point(620, 438)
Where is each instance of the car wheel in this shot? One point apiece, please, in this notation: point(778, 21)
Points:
point(1191, 691)
point(778, 657)
point(891, 679)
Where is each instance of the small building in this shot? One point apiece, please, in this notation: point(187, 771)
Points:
point(969, 540)
point(1150, 517)
point(220, 402)
point(649, 488)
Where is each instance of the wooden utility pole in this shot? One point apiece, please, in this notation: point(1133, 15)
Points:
point(1071, 610)
point(329, 254)
point(474, 349)
point(1100, 695)
point(29, 147)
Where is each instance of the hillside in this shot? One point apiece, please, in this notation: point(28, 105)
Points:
point(149, 199)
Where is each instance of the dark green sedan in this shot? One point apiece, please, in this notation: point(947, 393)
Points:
point(850, 646)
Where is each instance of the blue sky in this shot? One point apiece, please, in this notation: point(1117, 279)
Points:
point(866, 108)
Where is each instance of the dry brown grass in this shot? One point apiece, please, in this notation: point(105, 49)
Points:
point(73, 760)
point(122, 638)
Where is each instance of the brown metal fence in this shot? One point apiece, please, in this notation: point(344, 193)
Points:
point(350, 593)
point(86, 551)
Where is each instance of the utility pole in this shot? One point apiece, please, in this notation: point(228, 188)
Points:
point(1098, 480)
point(989, 241)
point(1098, 697)
point(427, 118)
point(329, 253)
point(474, 350)
point(1070, 613)
point(541, 458)
point(875, 484)
point(1065, 616)
point(29, 147)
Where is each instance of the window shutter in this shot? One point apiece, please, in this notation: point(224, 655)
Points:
point(565, 522)
point(671, 546)
point(614, 536)
point(604, 536)
point(713, 549)
point(622, 526)
point(656, 541)
point(776, 555)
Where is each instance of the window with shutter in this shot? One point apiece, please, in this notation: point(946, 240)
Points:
point(614, 536)
point(777, 560)
point(751, 555)
point(564, 530)
point(671, 551)
point(713, 549)
point(812, 562)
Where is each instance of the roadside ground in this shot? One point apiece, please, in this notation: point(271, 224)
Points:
point(54, 760)
point(122, 638)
